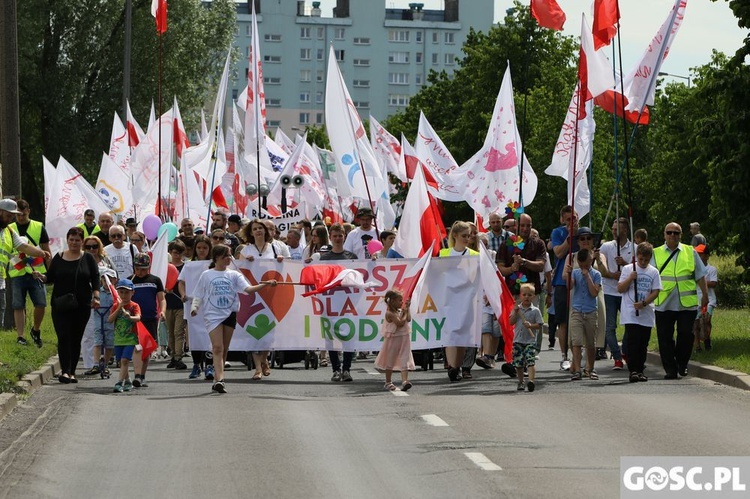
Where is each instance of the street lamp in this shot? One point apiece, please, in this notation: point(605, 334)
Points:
point(661, 73)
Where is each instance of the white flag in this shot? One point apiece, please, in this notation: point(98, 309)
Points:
point(438, 162)
point(113, 186)
point(119, 150)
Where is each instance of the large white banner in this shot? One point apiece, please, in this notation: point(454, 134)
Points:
point(280, 318)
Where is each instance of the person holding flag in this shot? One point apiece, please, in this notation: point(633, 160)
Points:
point(125, 317)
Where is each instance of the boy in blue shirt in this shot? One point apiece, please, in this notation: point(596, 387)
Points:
point(585, 282)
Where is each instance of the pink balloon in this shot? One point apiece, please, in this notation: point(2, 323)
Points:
point(374, 246)
point(151, 226)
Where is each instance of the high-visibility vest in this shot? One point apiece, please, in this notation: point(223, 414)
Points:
point(33, 234)
point(680, 272)
point(447, 252)
point(86, 232)
point(6, 249)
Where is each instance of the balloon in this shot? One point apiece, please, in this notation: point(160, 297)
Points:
point(172, 275)
point(170, 229)
point(374, 246)
point(315, 257)
point(151, 226)
point(327, 221)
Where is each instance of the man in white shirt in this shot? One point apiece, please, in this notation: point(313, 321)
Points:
point(293, 244)
point(357, 240)
point(617, 253)
point(120, 252)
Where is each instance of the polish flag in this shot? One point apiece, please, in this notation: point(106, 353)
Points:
point(179, 136)
point(499, 297)
point(412, 281)
point(135, 132)
point(612, 102)
point(145, 340)
point(159, 11)
point(594, 70)
point(113, 291)
point(325, 277)
point(548, 14)
point(606, 18)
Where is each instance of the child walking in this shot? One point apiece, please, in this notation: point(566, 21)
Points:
point(528, 320)
point(586, 282)
point(125, 316)
point(217, 292)
point(395, 355)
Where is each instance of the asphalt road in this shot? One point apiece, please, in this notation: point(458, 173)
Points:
point(297, 434)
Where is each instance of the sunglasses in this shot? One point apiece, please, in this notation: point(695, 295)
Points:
point(115, 236)
point(672, 232)
point(91, 246)
point(585, 238)
point(136, 240)
point(217, 238)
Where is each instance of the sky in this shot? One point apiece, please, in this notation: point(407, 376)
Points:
point(707, 25)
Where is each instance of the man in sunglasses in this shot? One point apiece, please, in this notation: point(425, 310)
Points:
point(682, 272)
point(121, 252)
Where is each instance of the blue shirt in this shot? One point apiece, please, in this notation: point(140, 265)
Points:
point(558, 236)
point(582, 300)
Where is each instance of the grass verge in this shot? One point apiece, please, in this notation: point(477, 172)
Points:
point(18, 360)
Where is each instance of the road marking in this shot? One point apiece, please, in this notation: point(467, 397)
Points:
point(371, 371)
point(433, 420)
point(481, 460)
point(399, 393)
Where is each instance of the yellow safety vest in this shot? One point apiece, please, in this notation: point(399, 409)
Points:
point(680, 272)
point(6, 249)
point(33, 234)
point(447, 252)
point(86, 232)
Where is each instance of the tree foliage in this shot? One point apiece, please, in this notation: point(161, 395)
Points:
point(71, 73)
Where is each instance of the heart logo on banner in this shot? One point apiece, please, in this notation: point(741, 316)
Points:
point(278, 299)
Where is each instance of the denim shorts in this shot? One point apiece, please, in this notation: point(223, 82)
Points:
point(26, 284)
point(490, 325)
point(124, 352)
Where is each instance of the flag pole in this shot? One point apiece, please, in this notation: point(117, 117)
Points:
point(159, 200)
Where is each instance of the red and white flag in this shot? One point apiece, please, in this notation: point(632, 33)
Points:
point(159, 11)
point(594, 70)
point(606, 18)
point(179, 135)
point(498, 296)
point(412, 282)
point(439, 163)
point(421, 226)
point(113, 291)
point(548, 14)
point(135, 132)
point(387, 149)
point(325, 277)
point(119, 152)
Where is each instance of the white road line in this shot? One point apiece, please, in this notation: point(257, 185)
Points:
point(371, 371)
point(433, 420)
point(399, 393)
point(481, 460)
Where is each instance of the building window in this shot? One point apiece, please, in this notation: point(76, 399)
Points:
point(304, 32)
point(398, 78)
point(272, 80)
point(418, 36)
point(304, 75)
point(321, 33)
point(435, 37)
point(418, 57)
point(274, 123)
point(361, 83)
point(271, 38)
point(234, 94)
point(338, 34)
point(319, 98)
point(273, 102)
point(318, 118)
point(361, 62)
point(450, 38)
point(418, 79)
point(319, 76)
point(304, 97)
point(320, 54)
point(304, 118)
point(361, 104)
point(304, 54)
point(398, 100)
point(361, 40)
point(398, 57)
point(339, 55)
point(401, 36)
point(274, 59)
point(434, 59)
point(450, 59)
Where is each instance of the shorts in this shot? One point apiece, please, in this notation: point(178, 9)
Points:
point(490, 325)
point(560, 299)
point(124, 352)
point(26, 284)
point(524, 354)
point(230, 321)
point(582, 329)
point(104, 331)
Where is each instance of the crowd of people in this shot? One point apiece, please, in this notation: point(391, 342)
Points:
point(581, 283)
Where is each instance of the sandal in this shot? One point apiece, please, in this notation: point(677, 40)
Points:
point(405, 386)
point(323, 363)
point(257, 376)
point(390, 387)
point(266, 371)
point(593, 375)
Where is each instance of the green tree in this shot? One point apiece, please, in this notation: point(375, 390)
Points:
point(70, 67)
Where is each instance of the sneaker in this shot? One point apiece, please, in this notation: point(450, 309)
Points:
point(219, 387)
point(521, 386)
point(618, 366)
point(361, 355)
point(633, 378)
point(508, 369)
point(118, 387)
point(22, 341)
point(172, 364)
point(127, 386)
point(336, 376)
point(196, 372)
point(143, 383)
point(179, 365)
point(485, 362)
point(601, 354)
point(227, 365)
point(565, 365)
point(93, 371)
point(137, 382)
point(530, 386)
point(37, 337)
point(345, 376)
point(209, 373)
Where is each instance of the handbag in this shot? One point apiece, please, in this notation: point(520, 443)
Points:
point(68, 302)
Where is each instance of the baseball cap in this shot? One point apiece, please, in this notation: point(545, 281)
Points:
point(109, 272)
point(9, 205)
point(365, 212)
point(142, 260)
point(701, 248)
point(235, 219)
point(125, 284)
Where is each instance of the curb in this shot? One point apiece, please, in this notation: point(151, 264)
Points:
point(29, 384)
point(720, 375)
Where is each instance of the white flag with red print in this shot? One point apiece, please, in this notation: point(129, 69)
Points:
point(119, 150)
point(114, 187)
point(325, 277)
point(387, 149)
point(439, 163)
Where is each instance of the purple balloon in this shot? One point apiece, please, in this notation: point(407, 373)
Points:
point(151, 226)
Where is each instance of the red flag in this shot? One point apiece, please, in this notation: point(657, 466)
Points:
point(159, 11)
point(113, 291)
point(218, 198)
point(506, 298)
point(325, 277)
point(409, 282)
point(606, 17)
point(147, 342)
point(134, 130)
point(611, 102)
point(179, 135)
point(548, 14)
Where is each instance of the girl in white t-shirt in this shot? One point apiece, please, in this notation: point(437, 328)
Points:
point(217, 292)
point(639, 288)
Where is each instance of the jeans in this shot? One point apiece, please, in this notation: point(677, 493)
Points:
point(336, 363)
point(69, 327)
point(675, 355)
point(637, 348)
point(612, 306)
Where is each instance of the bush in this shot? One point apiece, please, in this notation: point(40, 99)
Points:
point(732, 291)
